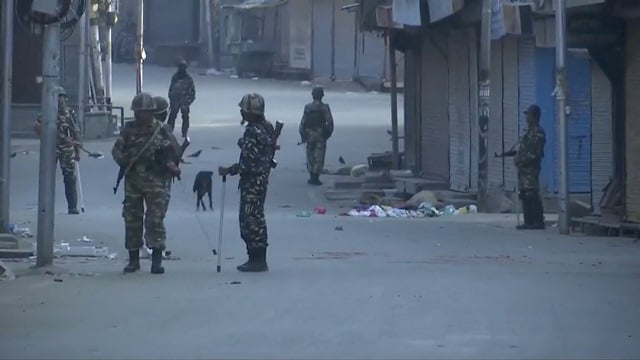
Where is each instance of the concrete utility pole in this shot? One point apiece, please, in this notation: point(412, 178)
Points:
point(47, 176)
point(5, 126)
point(96, 58)
point(561, 97)
point(207, 9)
point(82, 68)
point(108, 68)
point(140, 46)
point(394, 102)
point(483, 104)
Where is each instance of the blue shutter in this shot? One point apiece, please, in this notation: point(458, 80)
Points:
point(545, 83)
point(579, 142)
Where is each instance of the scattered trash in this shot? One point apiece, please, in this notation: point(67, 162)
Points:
point(85, 239)
point(58, 280)
point(20, 231)
point(229, 258)
point(214, 72)
point(214, 251)
point(306, 83)
point(234, 76)
point(338, 228)
point(425, 209)
point(255, 78)
point(304, 214)
point(359, 170)
point(234, 283)
point(321, 210)
point(64, 250)
point(215, 148)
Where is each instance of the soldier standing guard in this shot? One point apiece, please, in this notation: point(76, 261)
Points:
point(147, 182)
point(67, 148)
point(316, 127)
point(257, 146)
point(182, 93)
point(528, 160)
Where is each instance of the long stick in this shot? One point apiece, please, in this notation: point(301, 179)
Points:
point(220, 231)
point(79, 181)
point(517, 204)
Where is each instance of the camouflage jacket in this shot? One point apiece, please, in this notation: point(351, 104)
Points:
point(531, 149)
point(256, 150)
point(133, 137)
point(182, 89)
point(67, 126)
point(316, 123)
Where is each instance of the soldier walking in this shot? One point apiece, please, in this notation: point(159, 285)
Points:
point(67, 148)
point(316, 127)
point(528, 161)
point(147, 181)
point(257, 146)
point(182, 93)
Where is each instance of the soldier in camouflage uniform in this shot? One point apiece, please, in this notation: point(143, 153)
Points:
point(316, 127)
point(146, 182)
point(256, 161)
point(528, 160)
point(67, 148)
point(182, 93)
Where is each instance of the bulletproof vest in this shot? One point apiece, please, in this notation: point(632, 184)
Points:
point(315, 117)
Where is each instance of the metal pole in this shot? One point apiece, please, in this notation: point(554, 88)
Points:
point(96, 58)
point(108, 68)
point(139, 46)
point(483, 104)
point(82, 69)
point(394, 102)
point(560, 92)
point(5, 127)
point(47, 176)
point(207, 9)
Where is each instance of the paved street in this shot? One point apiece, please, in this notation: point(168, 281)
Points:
point(457, 287)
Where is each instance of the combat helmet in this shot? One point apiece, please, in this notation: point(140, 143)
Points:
point(62, 91)
point(252, 104)
point(162, 104)
point(143, 102)
point(317, 92)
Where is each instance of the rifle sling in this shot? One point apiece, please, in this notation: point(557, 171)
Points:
point(144, 148)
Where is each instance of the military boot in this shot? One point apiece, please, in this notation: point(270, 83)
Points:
point(537, 215)
point(134, 262)
point(314, 179)
point(257, 261)
point(526, 214)
point(71, 195)
point(156, 262)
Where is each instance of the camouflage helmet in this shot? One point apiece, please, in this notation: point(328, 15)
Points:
point(252, 104)
point(161, 104)
point(143, 102)
point(317, 92)
point(182, 64)
point(62, 91)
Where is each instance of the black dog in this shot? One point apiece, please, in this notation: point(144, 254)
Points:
point(203, 185)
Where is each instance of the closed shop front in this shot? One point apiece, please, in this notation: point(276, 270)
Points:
point(322, 39)
point(510, 108)
point(412, 111)
point(632, 125)
point(434, 125)
point(345, 41)
point(602, 167)
point(462, 81)
point(579, 120)
point(495, 174)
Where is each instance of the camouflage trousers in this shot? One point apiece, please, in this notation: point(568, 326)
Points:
point(66, 156)
point(173, 113)
point(316, 151)
point(529, 178)
point(154, 194)
point(253, 226)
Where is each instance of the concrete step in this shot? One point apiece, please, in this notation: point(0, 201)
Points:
point(337, 195)
point(415, 185)
point(347, 184)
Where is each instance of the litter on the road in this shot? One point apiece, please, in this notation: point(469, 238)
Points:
point(303, 214)
point(66, 250)
point(423, 211)
point(339, 228)
point(321, 210)
point(20, 231)
point(5, 273)
point(84, 238)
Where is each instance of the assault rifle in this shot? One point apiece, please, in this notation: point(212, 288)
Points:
point(179, 156)
point(278, 132)
point(510, 153)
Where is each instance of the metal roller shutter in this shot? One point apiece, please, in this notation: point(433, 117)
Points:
point(473, 91)
point(495, 117)
point(322, 17)
point(434, 110)
point(579, 123)
point(601, 134)
point(345, 41)
point(632, 125)
point(459, 116)
point(510, 107)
